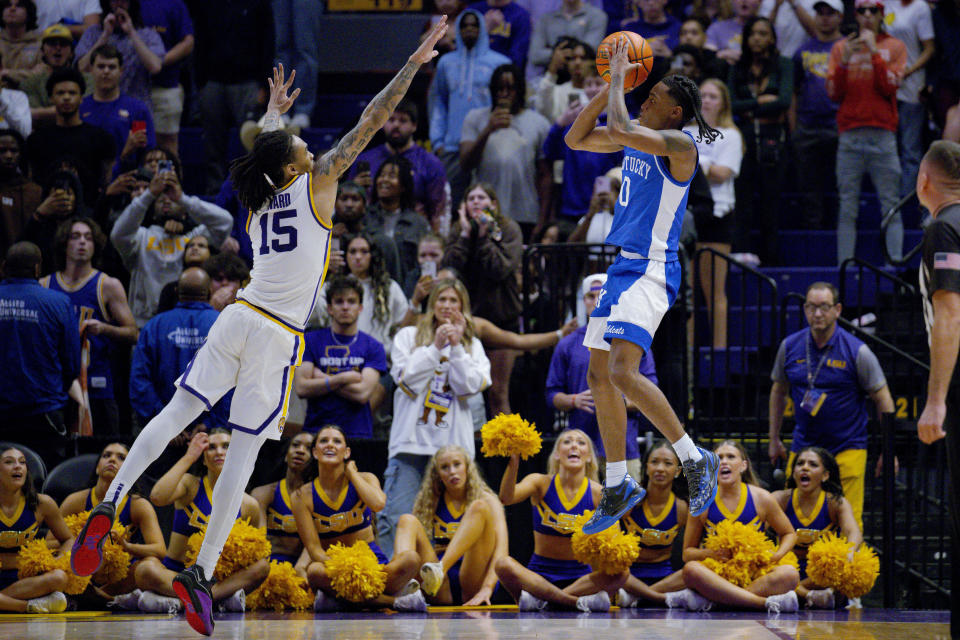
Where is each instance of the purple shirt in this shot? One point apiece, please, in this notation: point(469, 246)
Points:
point(116, 118)
point(512, 38)
point(135, 81)
point(568, 374)
point(725, 34)
point(580, 168)
point(429, 176)
point(815, 109)
point(335, 354)
point(669, 30)
point(171, 20)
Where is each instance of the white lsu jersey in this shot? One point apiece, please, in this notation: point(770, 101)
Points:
point(291, 248)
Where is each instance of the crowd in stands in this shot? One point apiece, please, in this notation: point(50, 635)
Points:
point(113, 275)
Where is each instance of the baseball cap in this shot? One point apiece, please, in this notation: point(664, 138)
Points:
point(55, 32)
point(836, 5)
point(588, 283)
point(868, 3)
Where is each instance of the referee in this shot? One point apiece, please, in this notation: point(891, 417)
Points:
point(938, 189)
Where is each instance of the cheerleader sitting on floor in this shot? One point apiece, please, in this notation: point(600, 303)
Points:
point(814, 503)
point(467, 531)
point(739, 499)
point(22, 512)
point(276, 508)
point(569, 488)
point(337, 507)
point(191, 493)
point(656, 521)
point(144, 537)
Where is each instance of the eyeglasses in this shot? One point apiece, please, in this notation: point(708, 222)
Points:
point(865, 10)
point(824, 307)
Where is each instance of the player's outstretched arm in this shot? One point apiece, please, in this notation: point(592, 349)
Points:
point(332, 164)
point(584, 134)
point(623, 131)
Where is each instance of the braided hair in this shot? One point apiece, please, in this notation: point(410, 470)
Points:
point(685, 92)
point(257, 175)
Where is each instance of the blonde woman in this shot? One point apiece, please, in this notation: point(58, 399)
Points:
point(569, 488)
point(437, 365)
point(458, 529)
point(720, 163)
point(338, 506)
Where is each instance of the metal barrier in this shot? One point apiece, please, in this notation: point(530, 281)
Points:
point(732, 385)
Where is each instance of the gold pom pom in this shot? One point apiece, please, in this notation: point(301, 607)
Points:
point(35, 558)
point(283, 589)
point(244, 546)
point(116, 559)
point(354, 572)
point(828, 566)
point(611, 551)
point(508, 435)
point(750, 553)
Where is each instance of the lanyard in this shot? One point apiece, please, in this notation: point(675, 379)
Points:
point(812, 375)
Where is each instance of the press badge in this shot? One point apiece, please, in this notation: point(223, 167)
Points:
point(812, 401)
point(437, 398)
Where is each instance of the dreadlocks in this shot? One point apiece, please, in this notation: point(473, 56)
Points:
point(685, 92)
point(257, 175)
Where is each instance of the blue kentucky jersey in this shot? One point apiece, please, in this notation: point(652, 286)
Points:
point(554, 515)
point(746, 511)
point(650, 207)
point(280, 520)
point(346, 514)
point(88, 304)
point(656, 531)
point(811, 527)
point(446, 520)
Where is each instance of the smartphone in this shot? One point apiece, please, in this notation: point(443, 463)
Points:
point(164, 166)
point(138, 125)
point(601, 184)
point(850, 30)
point(335, 244)
point(573, 98)
point(429, 268)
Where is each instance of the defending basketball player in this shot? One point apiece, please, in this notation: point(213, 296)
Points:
point(255, 344)
point(658, 165)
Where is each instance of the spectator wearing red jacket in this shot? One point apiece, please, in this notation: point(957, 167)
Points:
point(865, 71)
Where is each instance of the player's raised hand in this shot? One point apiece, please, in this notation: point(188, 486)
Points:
point(619, 63)
point(279, 100)
point(426, 52)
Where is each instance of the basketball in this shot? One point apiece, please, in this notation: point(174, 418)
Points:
point(638, 51)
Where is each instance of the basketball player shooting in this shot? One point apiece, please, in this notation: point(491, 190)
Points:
point(255, 344)
point(659, 163)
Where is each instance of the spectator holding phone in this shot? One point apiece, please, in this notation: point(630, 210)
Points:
point(125, 118)
point(563, 83)
point(419, 282)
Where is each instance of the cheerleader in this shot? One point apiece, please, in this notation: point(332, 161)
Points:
point(739, 498)
point(191, 493)
point(23, 512)
point(134, 512)
point(656, 521)
point(458, 529)
point(338, 506)
point(569, 488)
point(276, 508)
point(814, 504)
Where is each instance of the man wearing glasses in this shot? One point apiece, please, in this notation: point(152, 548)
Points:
point(865, 71)
point(828, 374)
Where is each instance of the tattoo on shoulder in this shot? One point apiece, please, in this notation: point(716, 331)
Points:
point(677, 141)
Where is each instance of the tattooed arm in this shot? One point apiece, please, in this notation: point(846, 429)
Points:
point(331, 165)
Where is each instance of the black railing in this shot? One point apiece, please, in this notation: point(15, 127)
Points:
point(885, 222)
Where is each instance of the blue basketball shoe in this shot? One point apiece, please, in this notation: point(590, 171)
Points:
point(615, 502)
point(702, 480)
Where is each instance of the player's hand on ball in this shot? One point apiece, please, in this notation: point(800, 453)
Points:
point(279, 100)
point(425, 52)
point(620, 65)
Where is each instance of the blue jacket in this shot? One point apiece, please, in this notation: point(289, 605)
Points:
point(167, 343)
point(461, 83)
point(39, 347)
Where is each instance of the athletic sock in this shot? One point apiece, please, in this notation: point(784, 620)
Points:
point(616, 472)
point(182, 409)
point(686, 450)
point(227, 496)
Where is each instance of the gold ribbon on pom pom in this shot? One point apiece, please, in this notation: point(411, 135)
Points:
point(354, 572)
point(244, 546)
point(116, 559)
point(828, 566)
point(283, 589)
point(508, 435)
point(611, 551)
